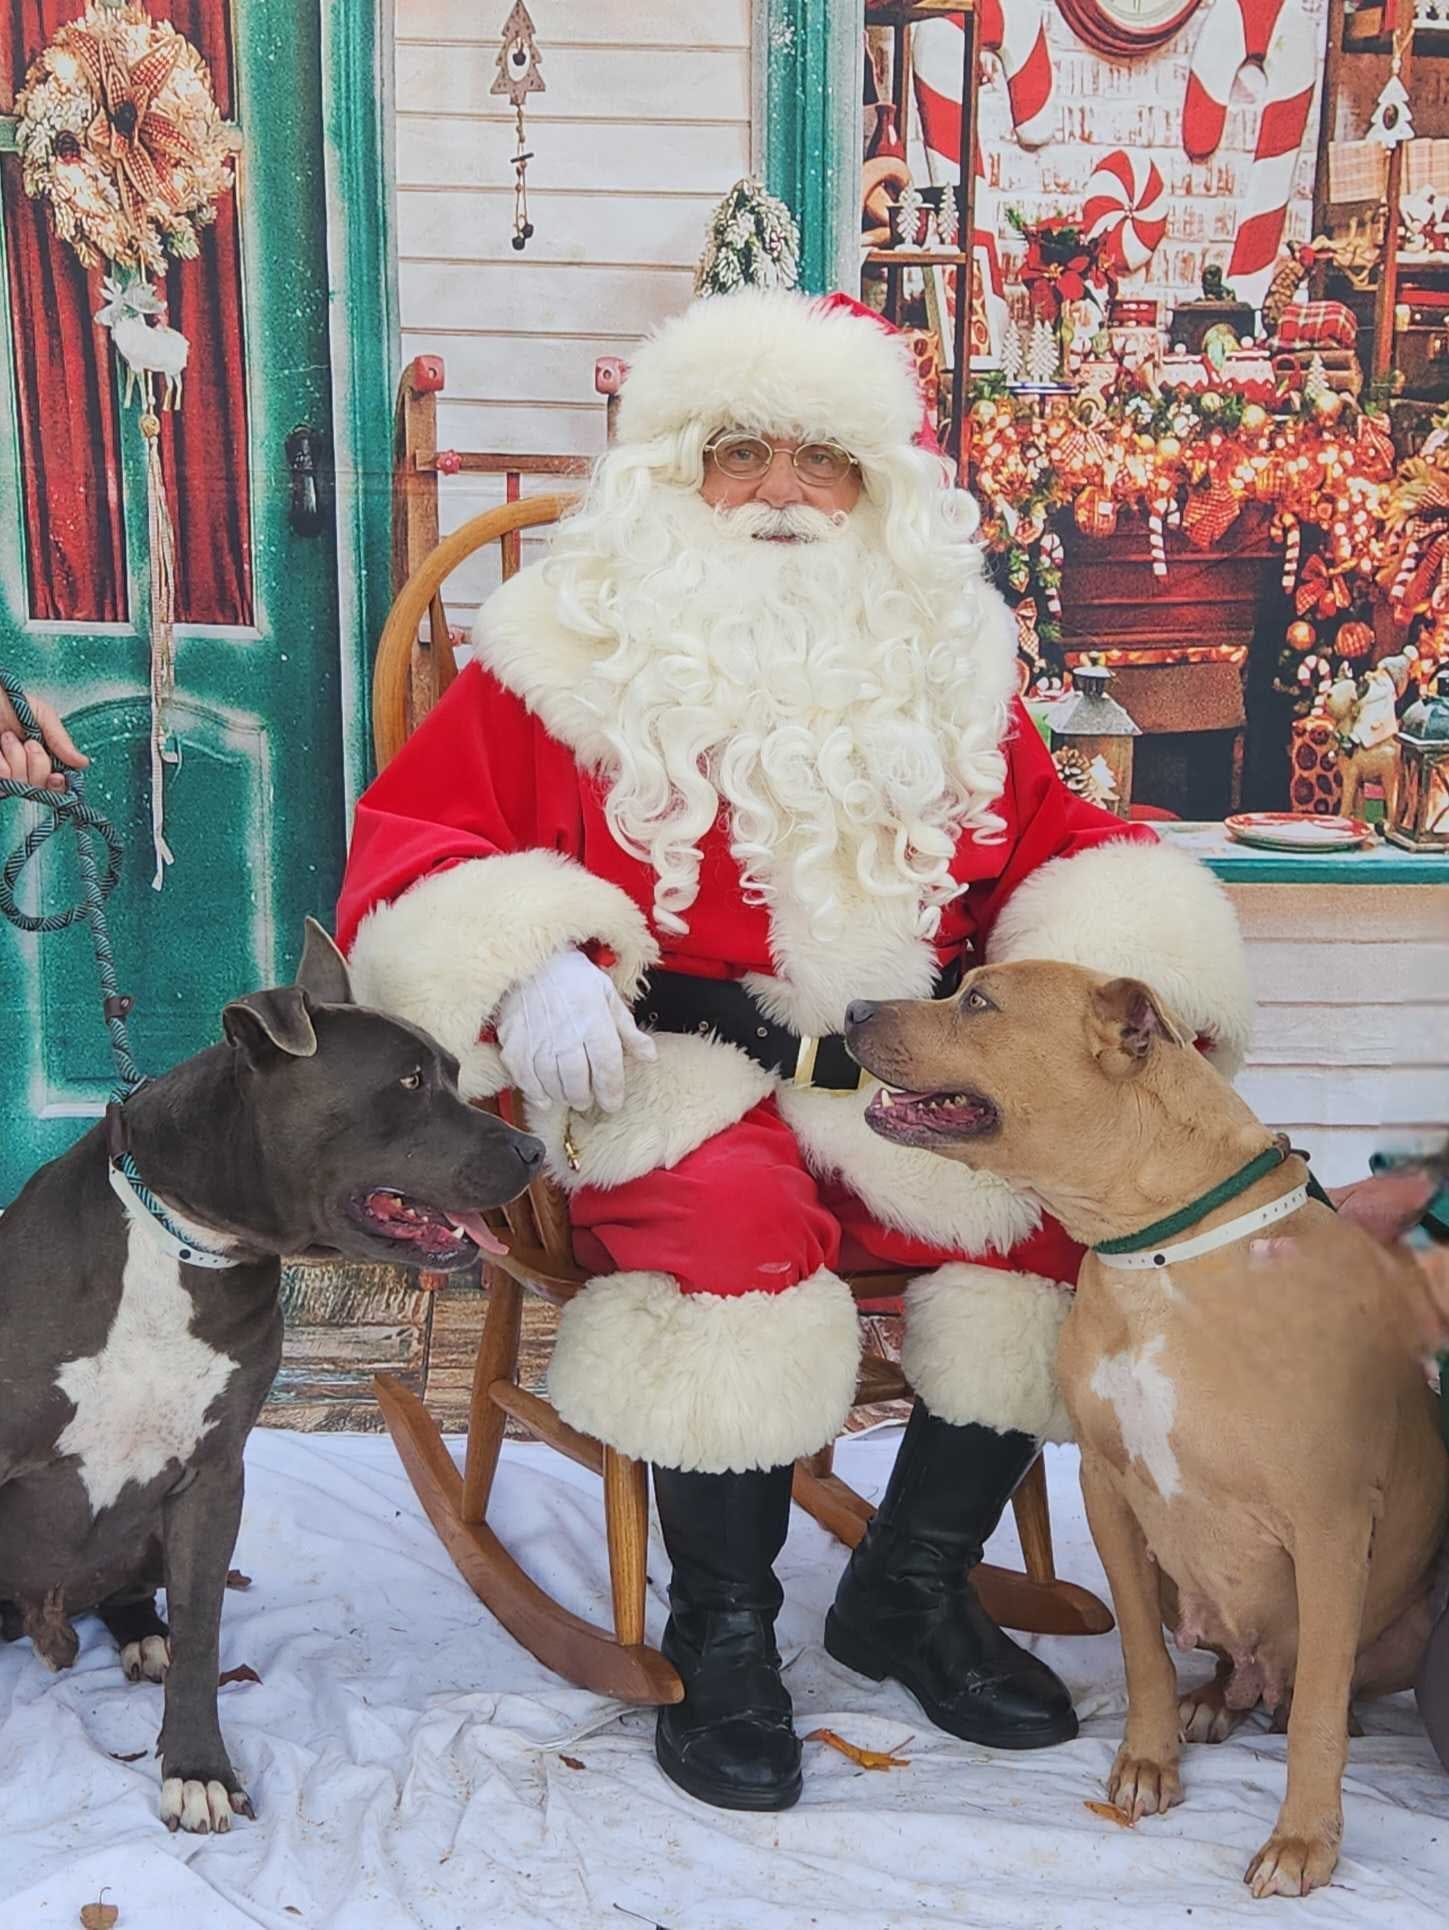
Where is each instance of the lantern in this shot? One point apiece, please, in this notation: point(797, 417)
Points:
point(1095, 726)
point(1421, 811)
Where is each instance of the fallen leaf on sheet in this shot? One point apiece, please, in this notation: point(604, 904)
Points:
point(242, 1674)
point(571, 1762)
point(99, 1915)
point(862, 1758)
point(134, 1756)
point(236, 1579)
point(1109, 1813)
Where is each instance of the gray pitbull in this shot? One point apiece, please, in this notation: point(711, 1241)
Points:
point(133, 1365)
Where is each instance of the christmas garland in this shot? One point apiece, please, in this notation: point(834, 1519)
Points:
point(119, 133)
point(1185, 459)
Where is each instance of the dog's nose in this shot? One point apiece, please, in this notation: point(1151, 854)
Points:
point(529, 1151)
point(859, 1010)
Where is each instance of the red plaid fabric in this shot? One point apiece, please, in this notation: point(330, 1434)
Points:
point(1315, 324)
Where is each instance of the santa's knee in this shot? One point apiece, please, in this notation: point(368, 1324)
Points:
point(709, 1383)
point(980, 1345)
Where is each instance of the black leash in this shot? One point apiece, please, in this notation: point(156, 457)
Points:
point(68, 810)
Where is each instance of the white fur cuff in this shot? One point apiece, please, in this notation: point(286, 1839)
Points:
point(705, 1383)
point(444, 953)
point(981, 1345)
point(695, 1088)
point(1139, 910)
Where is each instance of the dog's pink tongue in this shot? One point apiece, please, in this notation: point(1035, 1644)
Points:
point(478, 1231)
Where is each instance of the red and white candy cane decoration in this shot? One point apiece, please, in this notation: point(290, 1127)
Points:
point(1156, 538)
point(1055, 556)
point(1127, 204)
point(1016, 32)
point(1292, 550)
point(1277, 36)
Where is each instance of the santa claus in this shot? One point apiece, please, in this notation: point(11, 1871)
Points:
point(746, 746)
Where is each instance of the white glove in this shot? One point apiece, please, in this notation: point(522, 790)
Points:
point(563, 1034)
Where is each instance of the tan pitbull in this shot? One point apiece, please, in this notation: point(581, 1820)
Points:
point(1260, 1455)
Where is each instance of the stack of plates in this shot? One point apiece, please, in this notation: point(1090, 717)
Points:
point(1298, 832)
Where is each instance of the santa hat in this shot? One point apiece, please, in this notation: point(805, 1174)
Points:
point(780, 363)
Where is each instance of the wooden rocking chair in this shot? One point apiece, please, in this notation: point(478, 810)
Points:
point(408, 677)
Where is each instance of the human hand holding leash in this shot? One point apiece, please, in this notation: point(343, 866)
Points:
point(29, 761)
point(563, 1034)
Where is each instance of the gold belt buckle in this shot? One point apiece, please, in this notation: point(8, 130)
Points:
point(805, 1061)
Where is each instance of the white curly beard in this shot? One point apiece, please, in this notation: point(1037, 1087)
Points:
point(812, 687)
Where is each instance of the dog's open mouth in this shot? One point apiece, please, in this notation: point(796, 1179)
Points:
point(438, 1239)
point(927, 1118)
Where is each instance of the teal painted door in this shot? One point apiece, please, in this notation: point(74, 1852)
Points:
point(254, 805)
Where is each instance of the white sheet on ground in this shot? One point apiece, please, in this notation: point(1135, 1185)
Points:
point(406, 1759)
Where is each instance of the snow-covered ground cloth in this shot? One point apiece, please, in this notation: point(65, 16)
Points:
point(411, 1766)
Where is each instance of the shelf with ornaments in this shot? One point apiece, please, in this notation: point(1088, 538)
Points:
point(918, 212)
point(1371, 30)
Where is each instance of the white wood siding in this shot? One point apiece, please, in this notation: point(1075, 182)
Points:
point(645, 125)
point(1352, 1049)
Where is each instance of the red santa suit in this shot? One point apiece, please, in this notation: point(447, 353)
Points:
point(719, 1207)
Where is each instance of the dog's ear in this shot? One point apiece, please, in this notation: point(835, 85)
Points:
point(1127, 1019)
point(266, 1022)
point(322, 973)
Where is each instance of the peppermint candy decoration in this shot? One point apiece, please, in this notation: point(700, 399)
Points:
point(1126, 206)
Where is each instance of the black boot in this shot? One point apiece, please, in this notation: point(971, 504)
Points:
point(730, 1742)
point(904, 1607)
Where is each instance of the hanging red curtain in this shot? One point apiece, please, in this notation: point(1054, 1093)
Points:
point(204, 443)
point(69, 443)
point(73, 505)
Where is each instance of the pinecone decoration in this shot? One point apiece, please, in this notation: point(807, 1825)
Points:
point(1287, 280)
point(1080, 778)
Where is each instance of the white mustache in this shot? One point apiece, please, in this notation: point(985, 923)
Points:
point(798, 520)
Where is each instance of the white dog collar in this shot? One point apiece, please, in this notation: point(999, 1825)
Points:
point(181, 1249)
point(1151, 1259)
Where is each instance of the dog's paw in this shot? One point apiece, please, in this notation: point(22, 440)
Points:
point(1141, 1787)
point(202, 1807)
point(1203, 1715)
point(146, 1660)
point(1292, 1865)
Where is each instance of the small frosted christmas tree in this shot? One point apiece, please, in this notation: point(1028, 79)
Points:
point(1315, 383)
point(1012, 355)
point(1041, 354)
point(753, 242)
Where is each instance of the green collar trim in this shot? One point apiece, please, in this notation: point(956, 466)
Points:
point(1187, 1216)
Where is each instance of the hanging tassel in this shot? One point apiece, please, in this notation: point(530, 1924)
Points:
point(161, 550)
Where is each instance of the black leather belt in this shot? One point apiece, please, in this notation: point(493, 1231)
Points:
point(676, 1002)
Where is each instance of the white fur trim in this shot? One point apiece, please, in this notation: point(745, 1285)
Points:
point(1143, 911)
point(905, 1187)
point(703, 1382)
point(444, 953)
point(693, 1090)
point(877, 954)
point(773, 361)
point(981, 1345)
